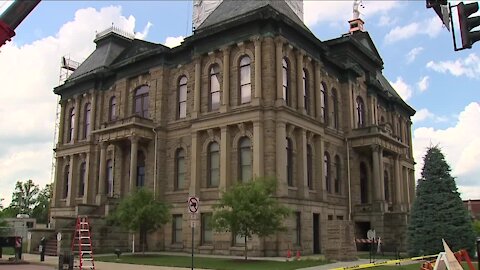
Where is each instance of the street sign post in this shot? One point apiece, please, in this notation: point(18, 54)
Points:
point(193, 204)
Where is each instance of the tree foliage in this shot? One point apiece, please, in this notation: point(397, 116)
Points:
point(476, 227)
point(438, 211)
point(40, 211)
point(24, 197)
point(249, 209)
point(140, 212)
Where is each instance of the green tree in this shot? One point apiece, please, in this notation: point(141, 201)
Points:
point(476, 227)
point(438, 211)
point(40, 211)
point(140, 212)
point(249, 209)
point(24, 197)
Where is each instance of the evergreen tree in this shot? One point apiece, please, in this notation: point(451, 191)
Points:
point(438, 211)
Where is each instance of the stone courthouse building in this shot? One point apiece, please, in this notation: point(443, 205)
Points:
point(251, 93)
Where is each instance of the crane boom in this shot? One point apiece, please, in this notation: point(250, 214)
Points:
point(13, 16)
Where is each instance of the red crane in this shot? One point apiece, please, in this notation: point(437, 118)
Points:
point(13, 16)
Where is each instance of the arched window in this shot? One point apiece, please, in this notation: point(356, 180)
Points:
point(285, 81)
point(82, 180)
point(326, 170)
point(360, 113)
point(324, 103)
point(386, 186)
point(289, 162)
point(112, 112)
point(71, 124)
point(363, 183)
point(214, 95)
point(140, 169)
point(66, 181)
point(309, 167)
point(86, 120)
point(245, 159)
point(306, 91)
point(109, 177)
point(245, 80)
point(213, 165)
point(338, 175)
point(182, 98)
point(141, 101)
point(336, 123)
point(179, 169)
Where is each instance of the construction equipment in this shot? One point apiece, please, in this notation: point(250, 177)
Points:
point(13, 16)
point(82, 245)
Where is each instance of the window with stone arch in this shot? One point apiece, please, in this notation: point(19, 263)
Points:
point(140, 169)
point(179, 182)
point(245, 159)
point(213, 160)
point(386, 184)
point(112, 109)
point(363, 183)
point(214, 94)
point(140, 101)
point(360, 108)
point(109, 178)
point(182, 98)
point(338, 176)
point(285, 81)
point(326, 171)
point(324, 103)
point(71, 124)
point(309, 166)
point(87, 120)
point(66, 181)
point(306, 91)
point(289, 162)
point(245, 80)
point(82, 180)
point(336, 106)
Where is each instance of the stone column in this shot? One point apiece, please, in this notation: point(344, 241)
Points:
point(377, 194)
point(226, 80)
point(281, 159)
point(258, 67)
point(224, 158)
point(195, 165)
point(101, 172)
point(318, 101)
point(61, 124)
point(397, 180)
point(258, 149)
point(278, 63)
point(300, 90)
point(321, 153)
point(56, 194)
point(197, 88)
point(86, 188)
point(381, 174)
point(71, 195)
point(93, 112)
point(76, 117)
point(303, 190)
point(133, 162)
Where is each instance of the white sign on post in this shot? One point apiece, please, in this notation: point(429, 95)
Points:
point(371, 234)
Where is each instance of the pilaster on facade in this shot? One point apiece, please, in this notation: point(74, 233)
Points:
point(93, 111)
point(279, 72)
point(281, 159)
point(398, 181)
point(226, 80)
point(376, 186)
point(300, 86)
point(225, 146)
point(320, 149)
point(194, 188)
point(71, 187)
point(257, 42)
point(317, 83)
point(258, 149)
point(133, 162)
point(87, 184)
point(303, 189)
point(101, 173)
point(76, 117)
point(197, 87)
point(61, 123)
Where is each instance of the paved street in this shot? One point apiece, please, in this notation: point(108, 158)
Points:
point(25, 267)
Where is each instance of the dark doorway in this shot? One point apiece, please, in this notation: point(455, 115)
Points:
point(316, 233)
point(361, 229)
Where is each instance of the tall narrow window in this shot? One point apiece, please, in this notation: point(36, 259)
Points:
point(71, 124)
point(177, 229)
point(326, 170)
point(324, 103)
point(213, 165)
point(285, 82)
point(336, 123)
point(66, 181)
point(141, 101)
point(289, 162)
point(140, 169)
point(109, 177)
point(179, 169)
point(245, 80)
point(298, 229)
point(338, 172)
point(245, 158)
point(214, 95)
point(363, 183)
point(360, 112)
point(309, 167)
point(182, 98)
point(112, 112)
point(207, 233)
point(306, 92)
point(386, 186)
point(86, 120)
point(82, 180)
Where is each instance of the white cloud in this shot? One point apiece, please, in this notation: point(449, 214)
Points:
point(387, 20)
point(461, 146)
point(422, 115)
point(470, 66)
point(402, 88)
point(174, 41)
point(423, 84)
point(430, 27)
point(144, 33)
point(27, 104)
point(412, 54)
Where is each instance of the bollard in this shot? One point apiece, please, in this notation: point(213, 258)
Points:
point(42, 249)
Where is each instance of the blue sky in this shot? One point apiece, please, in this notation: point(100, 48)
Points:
point(418, 55)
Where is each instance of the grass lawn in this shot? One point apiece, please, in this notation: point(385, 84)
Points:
point(210, 263)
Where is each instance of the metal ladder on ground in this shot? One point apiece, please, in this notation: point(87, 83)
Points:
point(82, 245)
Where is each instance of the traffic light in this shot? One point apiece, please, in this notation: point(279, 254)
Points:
point(468, 23)
point(441, 8)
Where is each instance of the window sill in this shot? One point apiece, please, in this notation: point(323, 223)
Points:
point(176, 192)
point(209, 189)
point(206, 246)
point(176, 246)
point(292, 188)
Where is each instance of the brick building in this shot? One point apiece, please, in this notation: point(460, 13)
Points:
point(251, 93)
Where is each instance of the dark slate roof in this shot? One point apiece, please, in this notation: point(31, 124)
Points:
point(387, 86)
point(231, 9)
